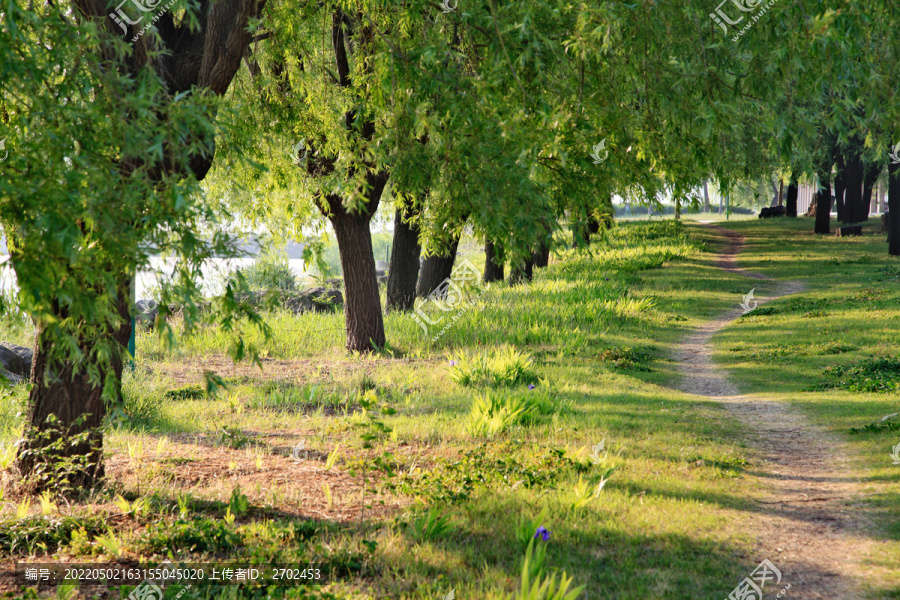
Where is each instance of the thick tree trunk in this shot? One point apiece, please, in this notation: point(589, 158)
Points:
point(404, 270)
point(362, 303)
point(823, 202)
point(521, 272)
point(853, 197)
point(493, 270)
point(436, 269)
point(894, 209)
point(840, 187)
point(870, 177)
point(791, 200)
point(62, 451)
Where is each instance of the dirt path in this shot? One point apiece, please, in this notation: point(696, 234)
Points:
point(805, 524)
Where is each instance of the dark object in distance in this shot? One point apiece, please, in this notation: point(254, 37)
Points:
point(848, 230)
point(772, 211)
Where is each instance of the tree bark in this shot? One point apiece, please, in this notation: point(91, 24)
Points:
point(894, 209)
point(521, 272)
point(436, 269)
point(853, 197)
point(791, 200)
point(870, 177)
point(840, 186)
point(62, 450)
point(493, 270)
point(404, 270)
point(362, 303)
point(541, 256)
point(823, 201)
point(706, 206)
point(582, 231)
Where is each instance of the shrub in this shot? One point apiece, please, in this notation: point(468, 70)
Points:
point(270, 271)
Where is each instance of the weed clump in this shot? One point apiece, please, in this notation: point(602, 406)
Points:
point(504, 367)
point(875, 375)
point(200, 535)
point(188, 392)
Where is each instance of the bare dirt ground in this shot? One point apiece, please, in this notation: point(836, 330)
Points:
point(809, 523)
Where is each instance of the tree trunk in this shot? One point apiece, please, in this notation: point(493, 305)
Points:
point(362, 302)
point(521, 272)
point(706, 206)
point(870, 177)
point(493, 271)
point(781, 192)
point(853, 197)
point(404, 269)
point(541, 256)
point(894, 209)
point(823, 202)
point(791, 200)
point(840, 186)
point(776, 197)
point(582, 231)
point(62, 451)
point(436, 269)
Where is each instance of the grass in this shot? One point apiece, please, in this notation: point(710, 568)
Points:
point(463, 456)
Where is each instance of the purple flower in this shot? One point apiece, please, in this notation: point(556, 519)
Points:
point(452, 363)
point(530, 386)
point(607, 278)
point(543, 533)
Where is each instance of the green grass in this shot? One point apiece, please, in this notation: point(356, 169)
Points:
point(445, 500)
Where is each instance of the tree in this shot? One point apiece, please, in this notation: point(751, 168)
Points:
point(493, 264)
point(111, 137)
point(792, 193)
point(404, 269)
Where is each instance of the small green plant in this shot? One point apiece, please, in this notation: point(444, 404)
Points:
point(140, 506)
point(525, 531)
point(504, 367)
point(188, 392)
point(535, 586)
point(233, 438)
point(326, 489)
point(110, 543)
point(374, 433)
point(429, 526)
point(239, 503)
point(583, 492)
point(47, 505)
point(66, 591)
point(495, 412)
point(184, 505)
point(332, 457)
point(23, 508)
point(7, 456)
point(195, 536)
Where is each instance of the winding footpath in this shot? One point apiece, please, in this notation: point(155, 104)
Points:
point(805, 524)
